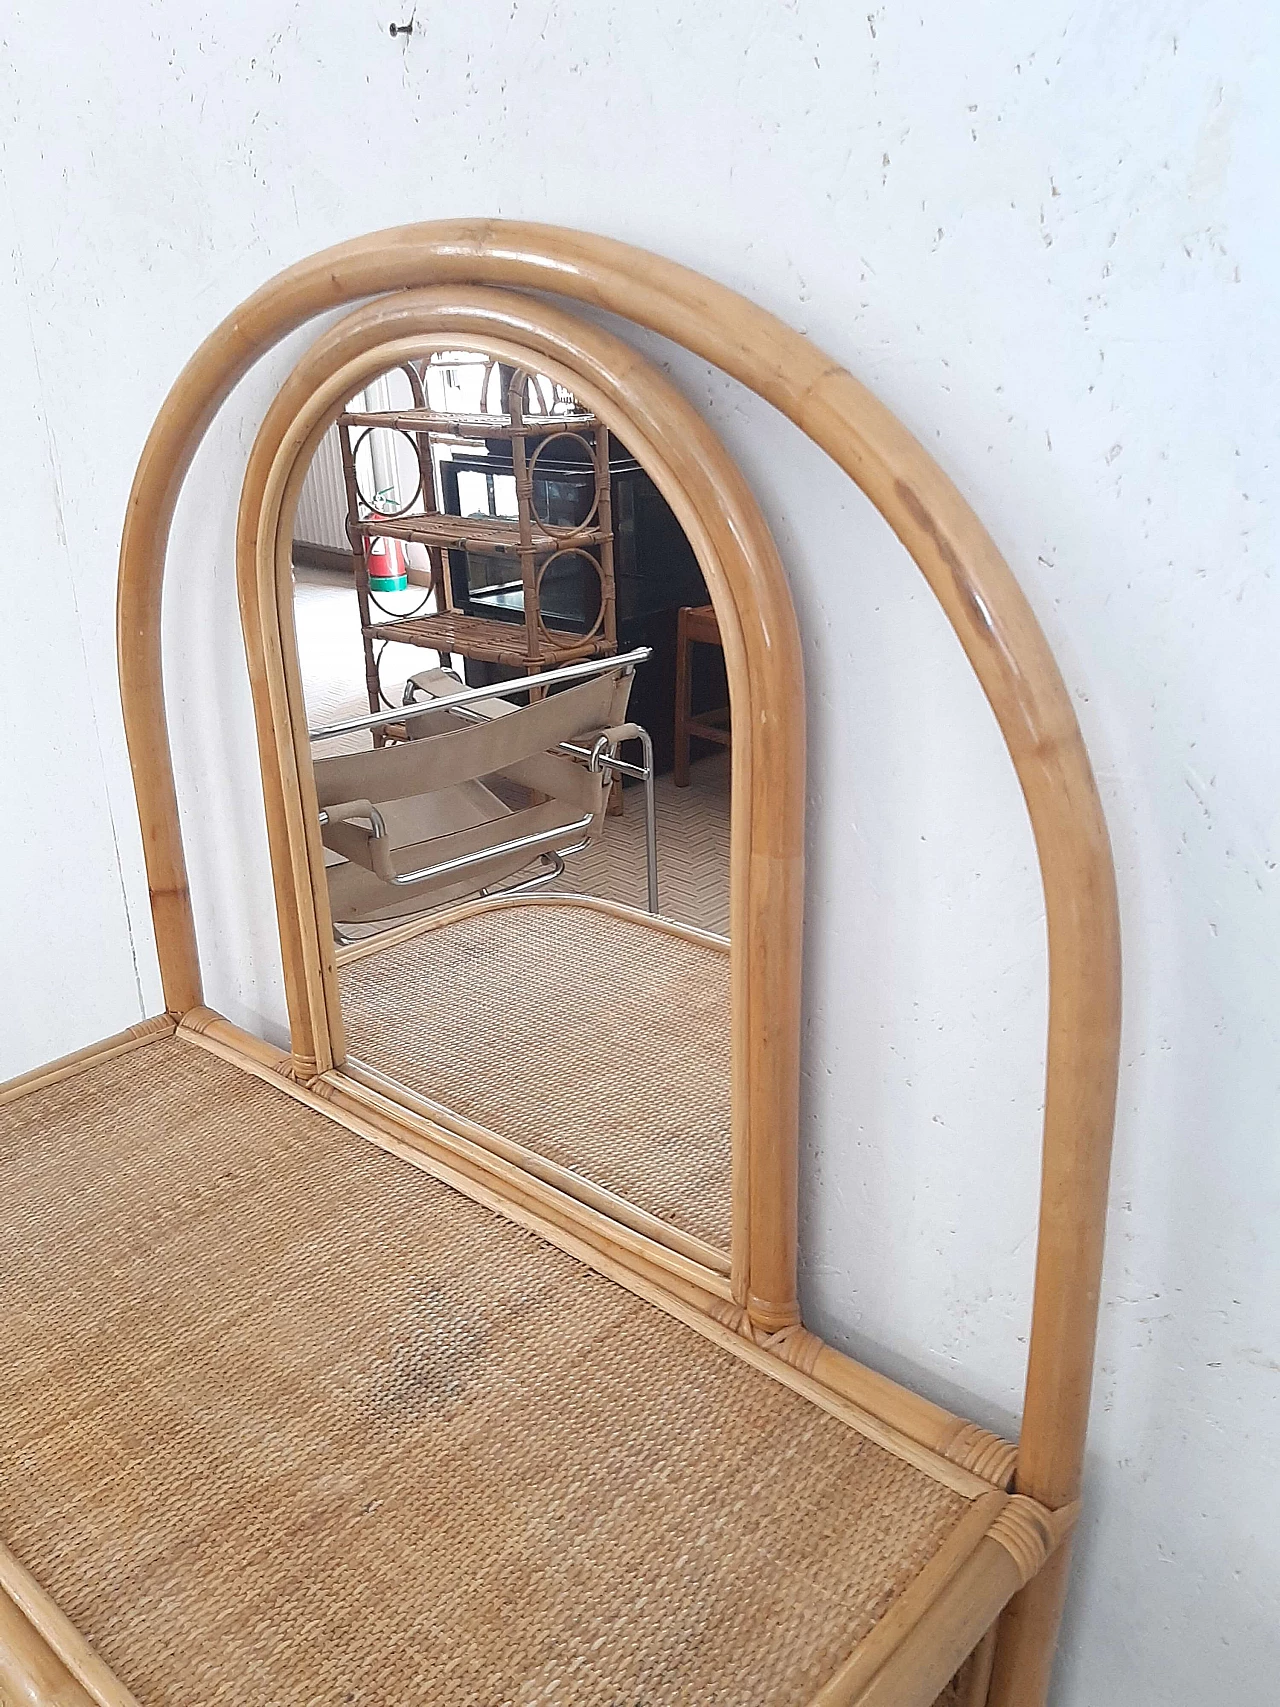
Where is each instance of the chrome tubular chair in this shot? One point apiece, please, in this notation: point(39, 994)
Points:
point(482, 789)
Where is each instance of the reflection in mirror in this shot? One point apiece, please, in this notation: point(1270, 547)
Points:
point(518, 707)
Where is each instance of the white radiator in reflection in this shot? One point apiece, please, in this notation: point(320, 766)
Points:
point(322, 505)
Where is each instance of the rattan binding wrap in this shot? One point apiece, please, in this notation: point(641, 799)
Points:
point(290, 1421)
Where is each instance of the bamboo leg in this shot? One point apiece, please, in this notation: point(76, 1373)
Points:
point(360, 563)
point(524, 511)
point(980, 1675)
point(1027, 1636)
point(604, 520)
point(680, 769)
point(923, 1663)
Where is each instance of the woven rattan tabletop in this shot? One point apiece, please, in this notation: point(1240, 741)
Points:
point(288, 1421)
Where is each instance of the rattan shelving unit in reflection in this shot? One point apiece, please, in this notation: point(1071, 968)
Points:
point(534, 542)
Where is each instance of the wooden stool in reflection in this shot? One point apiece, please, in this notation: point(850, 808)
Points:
point(695, 623)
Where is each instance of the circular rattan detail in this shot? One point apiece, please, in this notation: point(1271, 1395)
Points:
point(570, 551)
point(558, 530)
point(374, 508)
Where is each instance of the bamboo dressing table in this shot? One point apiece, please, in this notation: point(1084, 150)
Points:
point(308, 1397)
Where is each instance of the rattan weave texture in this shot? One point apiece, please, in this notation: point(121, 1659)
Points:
point(289, 1422)
point(593, 1039)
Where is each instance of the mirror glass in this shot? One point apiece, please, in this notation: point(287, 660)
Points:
point(519, 721)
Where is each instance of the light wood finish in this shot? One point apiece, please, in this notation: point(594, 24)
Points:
point(773, 1537)
point(978, 1683)
point(133, 1037)
point(740, 564)
point(44, 1660)
point(30, 1671)
point(206, 1022)
point(858, 1396)
point(965, 1443)
point(1012, 1554)
point(875, 1649)
point(933, 1651)
point(1027, 1636)
point(695, 625)
point(994, 624)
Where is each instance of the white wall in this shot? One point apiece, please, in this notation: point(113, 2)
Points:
point(1046, 236)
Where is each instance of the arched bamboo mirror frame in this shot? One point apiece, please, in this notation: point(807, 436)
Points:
point(731, 541)
point(991, 618)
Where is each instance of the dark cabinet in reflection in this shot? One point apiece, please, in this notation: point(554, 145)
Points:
point(655, 570)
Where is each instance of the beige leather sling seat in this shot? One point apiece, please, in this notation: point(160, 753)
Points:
point(482, 790)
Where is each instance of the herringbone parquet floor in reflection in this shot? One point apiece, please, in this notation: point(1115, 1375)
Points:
point(693, 850)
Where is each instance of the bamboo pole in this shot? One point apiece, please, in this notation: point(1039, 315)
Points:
point(30, 1671)
point(979, 597)
point(44, 1660)
point(53, 1072)
point(912, 1605)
